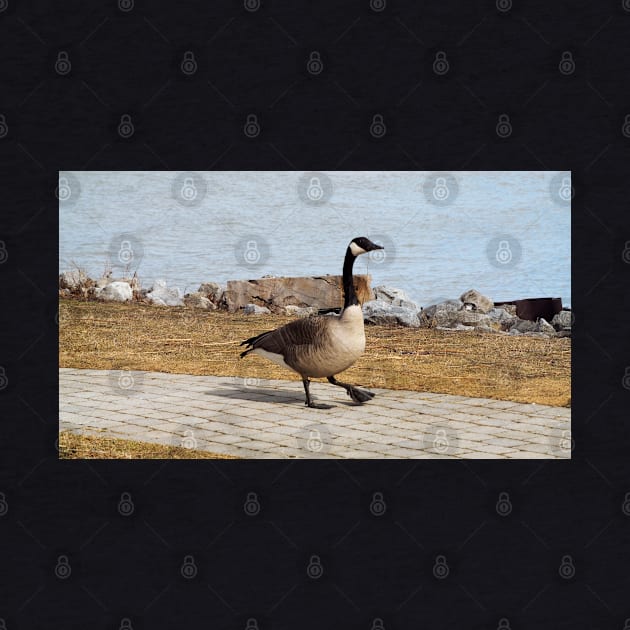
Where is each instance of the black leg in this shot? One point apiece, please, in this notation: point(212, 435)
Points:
point(358, 395)
point(309, 400)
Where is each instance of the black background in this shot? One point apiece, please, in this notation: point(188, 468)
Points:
point(500, 62)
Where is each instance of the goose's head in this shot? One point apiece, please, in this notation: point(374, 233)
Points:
point(362, 245)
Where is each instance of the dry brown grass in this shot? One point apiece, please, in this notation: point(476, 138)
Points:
point(141, 337)
point(73, 446)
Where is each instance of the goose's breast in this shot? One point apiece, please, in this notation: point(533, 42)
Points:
point(344, 344)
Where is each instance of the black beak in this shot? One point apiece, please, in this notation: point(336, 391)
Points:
point(372, 246)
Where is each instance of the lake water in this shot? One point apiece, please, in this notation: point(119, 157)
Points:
point(506, 234)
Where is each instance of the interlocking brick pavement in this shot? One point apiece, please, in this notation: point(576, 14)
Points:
point(258, 418)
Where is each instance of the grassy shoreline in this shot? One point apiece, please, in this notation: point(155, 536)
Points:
point(107, 335)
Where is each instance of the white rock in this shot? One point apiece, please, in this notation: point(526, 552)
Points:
point(562, 320)
point(212, 290)
point(300, 311)
point(525, 326)
point(545, 327)
point(197, 300)
point(381, 312)
point(442, 315)
point(254, 309)
point(162, 295)
point(72, 279)
point(116, 291)
point(456, 327)
point(103, 281)
point(396, 297)
point(499, 315)
point(448, 306)
point(478, 302)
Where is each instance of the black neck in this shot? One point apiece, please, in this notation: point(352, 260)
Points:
point(350, 297)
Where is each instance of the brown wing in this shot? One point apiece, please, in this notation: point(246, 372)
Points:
point(305, 334)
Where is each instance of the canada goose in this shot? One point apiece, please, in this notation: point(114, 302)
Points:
point(322, 345)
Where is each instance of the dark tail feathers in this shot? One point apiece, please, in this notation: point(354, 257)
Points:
point(251, 342)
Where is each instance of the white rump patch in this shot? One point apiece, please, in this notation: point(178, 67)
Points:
point(278, 359)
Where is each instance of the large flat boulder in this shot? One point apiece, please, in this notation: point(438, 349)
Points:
point(321, 292)
point(382, 312)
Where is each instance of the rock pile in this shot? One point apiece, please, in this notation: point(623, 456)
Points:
point(304, 297)
point(473, 311)
point(76, 283)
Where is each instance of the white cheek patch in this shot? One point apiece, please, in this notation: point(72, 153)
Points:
point(356, 250)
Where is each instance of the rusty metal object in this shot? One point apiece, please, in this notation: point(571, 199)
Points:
point(534, 308)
